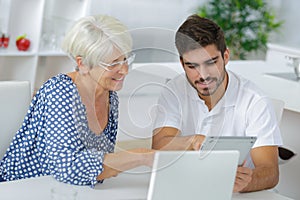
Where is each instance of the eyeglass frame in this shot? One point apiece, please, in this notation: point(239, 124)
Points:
point(129, 60)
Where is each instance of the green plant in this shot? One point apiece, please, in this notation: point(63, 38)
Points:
point(247, 24)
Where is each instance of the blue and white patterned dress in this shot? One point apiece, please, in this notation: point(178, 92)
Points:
point(55, 139)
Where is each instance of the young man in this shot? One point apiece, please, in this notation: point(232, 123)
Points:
point(209, 100)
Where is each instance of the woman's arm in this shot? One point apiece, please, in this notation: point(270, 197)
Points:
point(114, 163)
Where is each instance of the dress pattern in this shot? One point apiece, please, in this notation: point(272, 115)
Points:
point(55, 139)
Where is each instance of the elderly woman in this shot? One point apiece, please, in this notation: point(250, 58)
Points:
point(70, 129)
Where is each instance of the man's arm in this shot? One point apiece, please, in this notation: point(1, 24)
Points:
point(265, 175)
point(167, 138)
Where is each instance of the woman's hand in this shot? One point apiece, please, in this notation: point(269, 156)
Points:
point(115, 163)
point(108, 172)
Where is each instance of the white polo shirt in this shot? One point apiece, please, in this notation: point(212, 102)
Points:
point(244, 110)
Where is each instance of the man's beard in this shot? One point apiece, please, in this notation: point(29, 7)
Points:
point(209, 92)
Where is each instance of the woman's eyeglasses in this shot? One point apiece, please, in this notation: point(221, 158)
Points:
point(128, 61)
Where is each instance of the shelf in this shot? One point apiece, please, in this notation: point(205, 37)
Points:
point(38, 19)
point(4, 52)
point(51, 53)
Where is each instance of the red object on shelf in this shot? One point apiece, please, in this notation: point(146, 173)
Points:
point(22, 43)
point(5, 41)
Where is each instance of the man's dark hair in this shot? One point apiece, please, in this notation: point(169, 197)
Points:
point(197, 32)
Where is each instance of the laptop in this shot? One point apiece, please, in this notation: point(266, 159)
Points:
point(193, 175)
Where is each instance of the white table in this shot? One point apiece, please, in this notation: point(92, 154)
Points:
point(125, 186)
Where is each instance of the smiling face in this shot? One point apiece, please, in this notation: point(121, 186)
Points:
point(205, 69)
point(113, 79)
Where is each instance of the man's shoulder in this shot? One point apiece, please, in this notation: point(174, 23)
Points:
point(244, 92)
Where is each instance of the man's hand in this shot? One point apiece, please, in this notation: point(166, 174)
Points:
point(197, 141)
point(168, 138)
point(242, 179)
point(265, 175)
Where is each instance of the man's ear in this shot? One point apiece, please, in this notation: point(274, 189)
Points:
point(83, 69)
point(226, 56)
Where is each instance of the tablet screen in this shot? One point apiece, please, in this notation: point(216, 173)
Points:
point(242, 144)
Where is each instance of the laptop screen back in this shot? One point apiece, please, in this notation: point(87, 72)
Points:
point(193, 175)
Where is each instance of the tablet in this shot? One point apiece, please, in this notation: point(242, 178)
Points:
point(243, 144)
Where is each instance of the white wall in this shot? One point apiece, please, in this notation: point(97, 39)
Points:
point(288, 11)
point(4, 15)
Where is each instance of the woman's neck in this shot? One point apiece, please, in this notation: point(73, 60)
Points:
point(88, 87)
point(96, 101)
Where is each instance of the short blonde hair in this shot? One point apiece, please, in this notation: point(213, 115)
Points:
point(94, 38)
